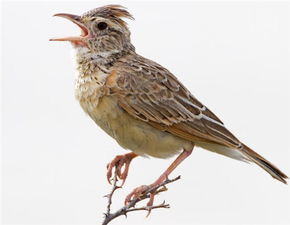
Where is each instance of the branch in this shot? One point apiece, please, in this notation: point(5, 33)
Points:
point(110, 195)
point(131, 206)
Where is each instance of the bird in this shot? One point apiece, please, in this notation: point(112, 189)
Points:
point(141, 104)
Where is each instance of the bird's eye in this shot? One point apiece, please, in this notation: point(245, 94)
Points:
point(102, 25)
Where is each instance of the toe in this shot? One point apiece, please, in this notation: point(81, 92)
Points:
point(109, 174)
point(136, 193)
point(111, 165)
point(150, 203)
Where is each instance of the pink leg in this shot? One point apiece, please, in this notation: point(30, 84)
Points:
point(139, 190)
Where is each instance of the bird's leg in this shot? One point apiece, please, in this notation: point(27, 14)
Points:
point(137, 192)
point(118, 162)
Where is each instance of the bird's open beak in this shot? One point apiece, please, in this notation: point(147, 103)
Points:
point(76, 20)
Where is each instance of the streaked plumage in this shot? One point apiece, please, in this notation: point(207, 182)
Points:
point(140, 103)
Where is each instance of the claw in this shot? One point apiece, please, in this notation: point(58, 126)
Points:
point(150, 203)
point(136, 193)
point(119, 162)
point(110, 167)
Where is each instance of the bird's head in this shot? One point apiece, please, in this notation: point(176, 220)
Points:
point(103, 31)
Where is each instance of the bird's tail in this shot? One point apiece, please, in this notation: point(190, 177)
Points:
point(264, 164)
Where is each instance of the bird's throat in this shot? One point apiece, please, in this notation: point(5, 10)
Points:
point(104, 58)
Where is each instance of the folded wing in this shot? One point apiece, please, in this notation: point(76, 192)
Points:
point(152, 94)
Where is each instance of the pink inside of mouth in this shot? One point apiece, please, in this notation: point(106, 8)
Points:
point(84, 30)
point(78, 40)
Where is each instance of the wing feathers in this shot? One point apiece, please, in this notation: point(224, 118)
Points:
point(154, 95)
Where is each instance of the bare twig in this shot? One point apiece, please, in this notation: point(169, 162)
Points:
point(131, 206)
point(162, 205)
point(110, 195)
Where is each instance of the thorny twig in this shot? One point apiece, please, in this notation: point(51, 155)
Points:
point(131, 206)
point(110, 195)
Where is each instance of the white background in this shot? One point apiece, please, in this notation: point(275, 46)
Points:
point(233, 56)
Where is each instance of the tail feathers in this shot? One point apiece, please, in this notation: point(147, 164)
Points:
point(264, 164)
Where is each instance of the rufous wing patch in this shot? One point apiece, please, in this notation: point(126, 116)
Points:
point(111, 79)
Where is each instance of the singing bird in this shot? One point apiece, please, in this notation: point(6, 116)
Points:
point(141, 104)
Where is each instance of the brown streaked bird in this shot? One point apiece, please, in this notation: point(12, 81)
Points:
point(141, 104)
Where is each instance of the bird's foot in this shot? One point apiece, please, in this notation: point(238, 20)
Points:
point(136, 193)
point(155, 188)
point(119, 162)
point(143, 190)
